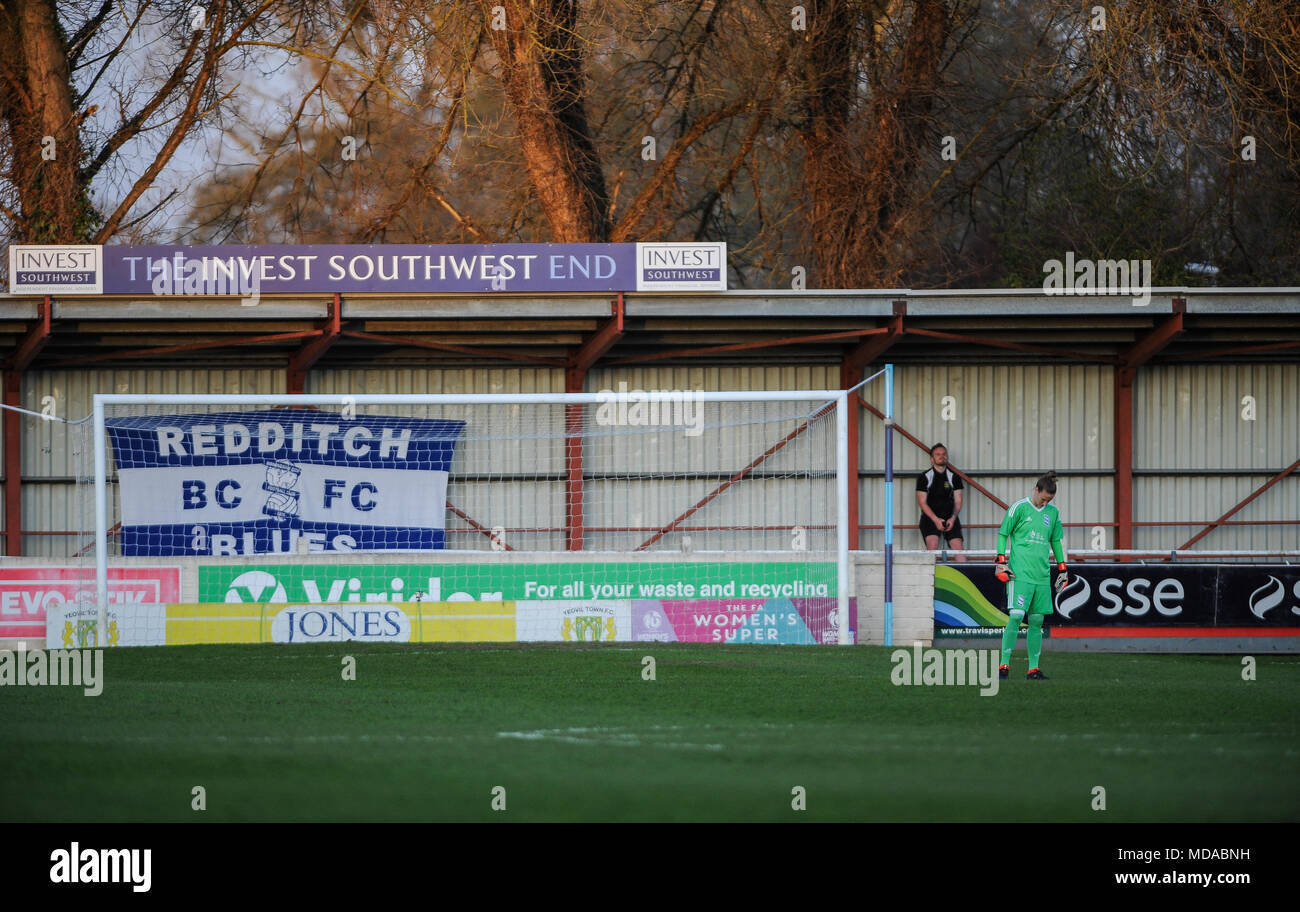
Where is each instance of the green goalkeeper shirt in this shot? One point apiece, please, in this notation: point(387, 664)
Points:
point(1033, 534)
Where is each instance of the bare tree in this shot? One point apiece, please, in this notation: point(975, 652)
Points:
point(47, 199)
point(117, 86)
point(884, 143)
point(541, 57)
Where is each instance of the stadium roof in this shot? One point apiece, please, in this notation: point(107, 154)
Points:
point(1177, 325)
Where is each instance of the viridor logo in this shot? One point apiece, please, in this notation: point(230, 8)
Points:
point(258, 586)
point(95, 866)
point(67, 667)
point(953, 667)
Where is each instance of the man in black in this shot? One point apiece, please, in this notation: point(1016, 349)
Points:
point(938, 494)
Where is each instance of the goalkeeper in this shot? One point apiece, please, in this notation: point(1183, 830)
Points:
point(1033, 529)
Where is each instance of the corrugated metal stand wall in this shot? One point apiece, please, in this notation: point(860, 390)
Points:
point(1205, 437)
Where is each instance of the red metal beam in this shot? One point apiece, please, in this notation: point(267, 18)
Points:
point(477, 526)
point(574, 381)
point(13, 423)
point(746, 346)
point(301, 361)
point(604, 338)
point(1015, 346)
point(188, 347)
point(871, 348)
point(851, 369)
point(851, 376)
point(35, 340)
point(926, 447)
point(1123, 493)
point(774, 448)
point(1240, 350)
point(1125, 375)
point(443, 346)
point(38, 334)
point(1153, 342)
point(1258, 491)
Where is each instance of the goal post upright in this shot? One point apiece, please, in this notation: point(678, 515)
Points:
point(101, 525)
point(889, 505)
point(842, 512)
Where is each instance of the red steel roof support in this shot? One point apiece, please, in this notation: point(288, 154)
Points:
point(575, 381)
point(1014, 346)
point(478, 526)
point(188, 347)
point(1239, 350)
point(746, 346)
point(300, 362)
point(1258, 491)
point(601, 341)
point(444, 346)
point(35, 340)
point(1125, 375)
point(851, 376)
point(851, 370)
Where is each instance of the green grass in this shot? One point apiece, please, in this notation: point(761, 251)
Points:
point(574, 733)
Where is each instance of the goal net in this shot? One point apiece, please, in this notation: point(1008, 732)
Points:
point(614, 516)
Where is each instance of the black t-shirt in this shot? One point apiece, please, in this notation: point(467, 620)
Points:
point(939, 488)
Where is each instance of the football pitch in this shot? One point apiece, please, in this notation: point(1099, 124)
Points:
point(576, 732)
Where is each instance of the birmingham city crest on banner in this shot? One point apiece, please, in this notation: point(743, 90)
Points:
point(282, 484)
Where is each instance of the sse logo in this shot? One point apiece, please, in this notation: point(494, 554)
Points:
point(1270, 595)
point(1116, 597)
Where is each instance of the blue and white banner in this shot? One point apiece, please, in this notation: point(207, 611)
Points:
point(262, 482)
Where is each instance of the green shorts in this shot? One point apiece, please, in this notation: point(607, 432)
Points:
point(1029, 598)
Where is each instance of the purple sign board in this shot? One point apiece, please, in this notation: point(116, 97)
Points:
point(252, 271)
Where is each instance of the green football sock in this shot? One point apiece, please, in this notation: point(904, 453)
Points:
point(1034, 640)
point(1009, 634)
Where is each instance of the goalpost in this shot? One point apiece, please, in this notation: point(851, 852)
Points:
point(622, 514)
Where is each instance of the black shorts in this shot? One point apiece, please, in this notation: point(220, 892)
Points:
point(928, 528)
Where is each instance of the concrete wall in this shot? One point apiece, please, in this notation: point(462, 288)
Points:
point(913, 613)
